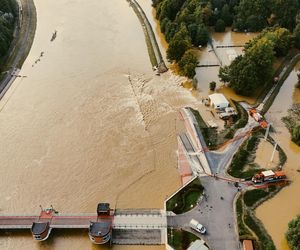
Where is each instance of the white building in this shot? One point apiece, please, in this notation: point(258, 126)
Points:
point(218, 101)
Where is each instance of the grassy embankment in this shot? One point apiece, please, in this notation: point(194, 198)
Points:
point(283, 71)
point(23, 36)
point(242, 166)
point(147, 35)
point(179, 239)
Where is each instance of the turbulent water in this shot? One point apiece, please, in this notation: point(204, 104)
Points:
point(90, 122)
point(285, 206)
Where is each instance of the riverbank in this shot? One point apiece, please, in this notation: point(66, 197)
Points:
point(22, 43)
point(283, 206)
point(153, 48)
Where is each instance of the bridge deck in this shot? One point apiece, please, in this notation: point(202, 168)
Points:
point(122, 220)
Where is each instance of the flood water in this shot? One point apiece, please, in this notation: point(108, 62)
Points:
point(208, 74)
point(75, 132)
point(285, 206)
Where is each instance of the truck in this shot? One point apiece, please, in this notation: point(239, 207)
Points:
point(197, 226)
point(258, 117)
point(268, 177)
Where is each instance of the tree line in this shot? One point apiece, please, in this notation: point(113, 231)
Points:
point(254, 69)
point(185, 25)
point(8, 13)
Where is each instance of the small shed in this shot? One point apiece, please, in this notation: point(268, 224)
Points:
point(247, 245)
point(218, 101)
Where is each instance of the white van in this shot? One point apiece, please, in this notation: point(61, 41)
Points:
point(197, 226)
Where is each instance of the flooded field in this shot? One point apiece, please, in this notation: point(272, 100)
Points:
point(207, 56)
point(285, 206)
point(76, 131)
point(264, 153)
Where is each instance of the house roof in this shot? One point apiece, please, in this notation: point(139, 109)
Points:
point(247, 245)
point(198, 245)
point(218, 99)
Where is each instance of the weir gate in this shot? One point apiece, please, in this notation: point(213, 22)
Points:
point(120, 226)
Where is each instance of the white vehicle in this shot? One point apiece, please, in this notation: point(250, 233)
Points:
point(197, 226)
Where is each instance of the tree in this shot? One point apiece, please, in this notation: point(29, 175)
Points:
point(251, 70)
point(252, 15)
point(297, 36)
point(296, 139)
point(212, 86)
point(285, 12)
point(293, 234)
point(226, 15)
point(179, 45)
point(220, 26)
point(188, 63)
point(224, 74)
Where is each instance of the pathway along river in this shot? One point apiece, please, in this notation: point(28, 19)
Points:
point(285, 206)
point(76, 132)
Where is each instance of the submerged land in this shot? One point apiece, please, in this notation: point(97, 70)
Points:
point(137, 119)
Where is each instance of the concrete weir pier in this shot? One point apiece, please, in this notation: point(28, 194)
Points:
point(123, 227)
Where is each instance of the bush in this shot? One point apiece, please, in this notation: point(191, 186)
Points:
point(252, 143)
point(212, 86)
point(296, 134)
point(220, 26)
point(252, 196)
point(293, 234)
point(188, 63)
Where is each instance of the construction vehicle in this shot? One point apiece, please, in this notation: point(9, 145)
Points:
point(258, 117)
point(268, 177)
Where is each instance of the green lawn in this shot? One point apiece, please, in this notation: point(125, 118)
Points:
point(179, 239)
point(185, 199)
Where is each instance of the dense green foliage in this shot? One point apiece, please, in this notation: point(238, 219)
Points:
point(292, 121)
point(293, 234)
point(7, 18)
point(220, 26)
point(255, 68)
point(255, 15)
point(252, 196)
point(296, 134)
point(212, 85)
point(188, 63)
point(183, 23)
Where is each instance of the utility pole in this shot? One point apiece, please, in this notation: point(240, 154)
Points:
point(268, 130)
point(273, 153)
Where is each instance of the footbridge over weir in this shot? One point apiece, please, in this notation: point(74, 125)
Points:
point(128, 226)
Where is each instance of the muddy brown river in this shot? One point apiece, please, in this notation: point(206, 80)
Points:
point(285, 206)
point(76, 132)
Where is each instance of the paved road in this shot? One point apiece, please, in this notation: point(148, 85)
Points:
point(23, 44)
point(216, 214)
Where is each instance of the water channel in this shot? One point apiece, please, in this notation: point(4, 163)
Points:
point(285, 206)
